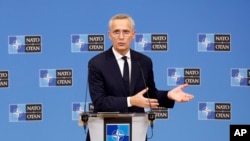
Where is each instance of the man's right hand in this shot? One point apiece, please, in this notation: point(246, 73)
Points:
point(140, 101)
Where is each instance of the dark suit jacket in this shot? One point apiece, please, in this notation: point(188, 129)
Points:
point(107, 89)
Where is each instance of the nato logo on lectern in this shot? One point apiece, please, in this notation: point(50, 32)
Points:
point(4, 78)
point(118, 132)
point(151, 42)
point(25, 112)
point(55, 77)
point(214, 111)
point(210, 42)
point(87, 42)
point(178, 76)
point(22, 44)
point(240, 77)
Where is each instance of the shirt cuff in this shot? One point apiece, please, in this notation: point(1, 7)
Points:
point(128, 101)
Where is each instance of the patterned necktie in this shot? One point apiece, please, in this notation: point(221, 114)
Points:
point(126, 73)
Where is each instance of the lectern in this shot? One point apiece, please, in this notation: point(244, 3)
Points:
point(117, 126)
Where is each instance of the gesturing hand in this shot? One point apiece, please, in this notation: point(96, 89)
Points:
point(140, 101)
point(179, 95)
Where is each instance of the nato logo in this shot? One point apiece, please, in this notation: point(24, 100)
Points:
point(55, 77)
point(4, 79)
point(151, 42)
point(240, 77)
point(160, 112)
point(25, 112)
point(214, 111)
point(178, 76)
point(86, 43)
point(80, 107)
point(117, 132)
point(24, 44)
point(214, 42)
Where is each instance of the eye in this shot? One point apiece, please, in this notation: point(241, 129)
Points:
point(116, 32)
point(126, 32)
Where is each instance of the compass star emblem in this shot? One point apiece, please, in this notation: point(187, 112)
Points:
point(117, 135)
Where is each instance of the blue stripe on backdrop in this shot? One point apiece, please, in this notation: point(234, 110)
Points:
point(55, 21)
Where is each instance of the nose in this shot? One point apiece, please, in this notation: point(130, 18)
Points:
point(121, 35)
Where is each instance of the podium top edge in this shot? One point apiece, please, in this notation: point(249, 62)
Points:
point(115, 114)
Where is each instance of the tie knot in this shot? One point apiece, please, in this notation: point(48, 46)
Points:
point(124, 58)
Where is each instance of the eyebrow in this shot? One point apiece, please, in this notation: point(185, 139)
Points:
point(123, 30)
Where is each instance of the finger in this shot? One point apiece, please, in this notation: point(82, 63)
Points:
point(142, 92)
point(154, 106)
point(186, 99)
point(189, 96)
point(153, 100)
point(151, 105)
point(183, 86)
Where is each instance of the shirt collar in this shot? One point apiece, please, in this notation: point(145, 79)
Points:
point(118, 55)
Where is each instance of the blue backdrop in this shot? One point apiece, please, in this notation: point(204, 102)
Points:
point(224, 75)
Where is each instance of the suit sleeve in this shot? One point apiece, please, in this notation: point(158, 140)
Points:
point(163, 100)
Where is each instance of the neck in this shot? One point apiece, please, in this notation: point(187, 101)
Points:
point(122, 52)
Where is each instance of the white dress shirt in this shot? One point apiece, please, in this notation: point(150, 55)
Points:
point(120, 62)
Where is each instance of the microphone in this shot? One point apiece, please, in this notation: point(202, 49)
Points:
point(84, 115)
point(85, 118)
point(151, 114)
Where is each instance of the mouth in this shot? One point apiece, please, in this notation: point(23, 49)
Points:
point(121, 44)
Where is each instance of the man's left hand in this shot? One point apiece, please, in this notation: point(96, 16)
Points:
point(177, 94)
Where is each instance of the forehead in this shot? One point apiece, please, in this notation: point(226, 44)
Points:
point(121, 24)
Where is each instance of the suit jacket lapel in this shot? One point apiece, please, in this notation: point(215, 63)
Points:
point(135, 72)
point(115, 71)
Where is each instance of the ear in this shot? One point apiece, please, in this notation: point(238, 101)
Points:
point(109, 34)
point(133, 34)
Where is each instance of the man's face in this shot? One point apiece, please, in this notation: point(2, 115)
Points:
point(121, 34)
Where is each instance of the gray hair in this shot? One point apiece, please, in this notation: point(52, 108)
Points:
point(122, 16)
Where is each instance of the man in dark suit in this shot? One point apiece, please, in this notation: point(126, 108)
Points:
point(110, 92)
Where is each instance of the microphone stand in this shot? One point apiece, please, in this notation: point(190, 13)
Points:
point(151, 114)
